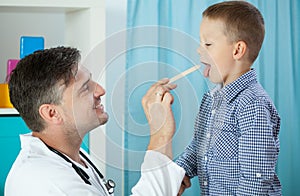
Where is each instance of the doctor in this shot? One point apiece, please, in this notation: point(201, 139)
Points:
point(60, 103)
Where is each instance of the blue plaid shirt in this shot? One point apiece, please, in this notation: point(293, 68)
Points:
point(236, 143)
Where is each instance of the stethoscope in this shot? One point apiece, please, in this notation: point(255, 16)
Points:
point(109, 184)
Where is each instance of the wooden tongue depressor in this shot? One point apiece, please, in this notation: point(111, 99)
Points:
point(184, 73)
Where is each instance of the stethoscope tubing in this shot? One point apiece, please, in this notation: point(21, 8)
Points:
point(109, 184)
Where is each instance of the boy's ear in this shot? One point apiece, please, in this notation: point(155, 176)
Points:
point(240, 49)
point(50, 114)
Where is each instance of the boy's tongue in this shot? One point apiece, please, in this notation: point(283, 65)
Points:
point(206, 70)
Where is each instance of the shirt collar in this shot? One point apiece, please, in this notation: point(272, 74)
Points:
point(230, 91)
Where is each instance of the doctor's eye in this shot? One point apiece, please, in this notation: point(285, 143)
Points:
point(86, 87)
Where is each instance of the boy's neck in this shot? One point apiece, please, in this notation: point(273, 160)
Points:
point(235, 75)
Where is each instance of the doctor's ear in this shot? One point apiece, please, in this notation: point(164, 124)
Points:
point(240, 49)
point(50, 113)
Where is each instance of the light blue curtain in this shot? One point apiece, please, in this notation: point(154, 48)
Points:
point(161, 41)
point(278, 66)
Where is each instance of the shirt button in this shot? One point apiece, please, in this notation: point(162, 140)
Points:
point(213, 112)
point(205, 158)
point(208, 135)
point(258, 175)
point(205, 183)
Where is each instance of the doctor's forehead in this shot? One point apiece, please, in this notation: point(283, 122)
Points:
point(82, 73)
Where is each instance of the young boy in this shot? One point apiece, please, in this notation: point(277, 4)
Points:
point(236, 143)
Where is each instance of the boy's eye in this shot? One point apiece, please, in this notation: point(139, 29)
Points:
point(207, 44)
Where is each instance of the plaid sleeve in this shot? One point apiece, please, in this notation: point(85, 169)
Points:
point(188, 160)
point(258, 148)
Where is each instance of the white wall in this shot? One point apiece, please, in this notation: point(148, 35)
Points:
point(30, 24)
point(116, 16)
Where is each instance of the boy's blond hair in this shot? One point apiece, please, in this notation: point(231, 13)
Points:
point(242, 21)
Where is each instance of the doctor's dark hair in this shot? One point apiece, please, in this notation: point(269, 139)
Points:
point(242, 22)
point(40, 78)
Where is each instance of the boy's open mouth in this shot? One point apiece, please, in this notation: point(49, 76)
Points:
point(206, 69)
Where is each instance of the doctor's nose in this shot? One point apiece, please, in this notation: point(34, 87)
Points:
point(99, 91)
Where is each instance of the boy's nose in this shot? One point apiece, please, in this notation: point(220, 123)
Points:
point(200, 50)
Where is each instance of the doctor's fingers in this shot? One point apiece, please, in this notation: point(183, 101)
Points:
point(156, 94)
point(159, 89)
point(167, 99)
point(165, 84)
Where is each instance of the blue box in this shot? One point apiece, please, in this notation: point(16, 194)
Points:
point(29, 44)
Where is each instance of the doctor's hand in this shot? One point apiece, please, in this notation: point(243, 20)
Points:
point(157, 107)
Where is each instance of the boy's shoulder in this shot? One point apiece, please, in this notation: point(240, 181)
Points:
point(246, 90)
point(253, 92)
point(256, 95)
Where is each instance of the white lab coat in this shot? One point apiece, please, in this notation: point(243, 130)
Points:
point(159, 176)
point(38, 171)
